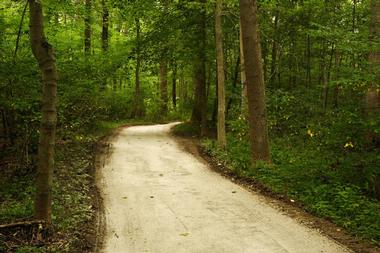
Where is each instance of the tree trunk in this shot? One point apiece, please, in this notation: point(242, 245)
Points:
point(308, 67)
point(199, 114)
point(221, 129)
point(138, 104)
point(243, 77)
point(234, 84)
point(338, 60)
point(274, 51)
point(181, 89)
point(4, 134)
point(255, 81)
point(44, 53)
point(174, 85)
point(163, 87)
point(372, 99)
point(327, 78)
point(87, 27)
point(105, 23)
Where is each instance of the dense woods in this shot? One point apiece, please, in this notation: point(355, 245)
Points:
point(285, 92)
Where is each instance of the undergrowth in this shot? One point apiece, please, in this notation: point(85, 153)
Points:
point(74, 206)
point(312, 177)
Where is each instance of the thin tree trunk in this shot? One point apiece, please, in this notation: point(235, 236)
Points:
point(44, 53)
point(354, 4)
point(274, 51)
point(164, 72)
point(181, 88)
point(338, 60)
point(138, 105)
point(221, 129)
point(7, 137)
point(292, 81)
point(255, 81)
point(19, 32)
point(105, 23)
point(279, 68)
point(308, 70)
point(174, 86)
point(322, 69)
point(87, 27)
point(163, 87)
point(234, 84)
point(326, 78)
point(182, 100)
point(199, 115)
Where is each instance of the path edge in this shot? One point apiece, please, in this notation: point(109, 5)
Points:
point(282, 203)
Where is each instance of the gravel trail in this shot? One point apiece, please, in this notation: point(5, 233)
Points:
point(160, 199)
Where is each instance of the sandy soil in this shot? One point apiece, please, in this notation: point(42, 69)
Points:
point(159, 198)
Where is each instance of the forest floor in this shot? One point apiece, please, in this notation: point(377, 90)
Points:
point(158, 197)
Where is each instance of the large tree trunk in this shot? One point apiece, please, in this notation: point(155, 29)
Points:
point(221, 129)
point(105, 23)
point(87, 27)
point(138, 104)
point(163, 87)
point(199, 114)
point(255, 81)
point(44, 54)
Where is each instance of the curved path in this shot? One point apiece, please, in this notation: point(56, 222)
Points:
point(161, 199)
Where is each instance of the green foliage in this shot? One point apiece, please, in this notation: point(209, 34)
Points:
point(74, 203)
point(347, 206)
point(320, 159)
point(319, 152)
point(29, 249)
point(15, 204)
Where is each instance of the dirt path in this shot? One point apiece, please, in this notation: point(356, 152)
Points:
point(160, 199)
